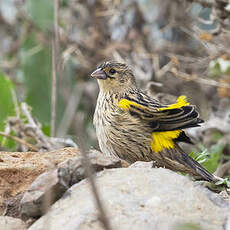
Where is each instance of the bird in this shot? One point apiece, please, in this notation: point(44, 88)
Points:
point(133, 126)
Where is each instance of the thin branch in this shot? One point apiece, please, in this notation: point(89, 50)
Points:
point(39, 135)
point(198, 79)
point(89, 173)
point(27, 112)
point(70, 109)
point(164, 69)
point(56, 31)
point(55, 53)
point(20, 141)
point(222, 169)
point(54, 89)
point(64, 141)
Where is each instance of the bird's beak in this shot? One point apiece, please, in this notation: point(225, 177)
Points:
point(99, 74)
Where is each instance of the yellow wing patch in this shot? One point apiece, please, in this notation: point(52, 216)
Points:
point(181, 101)
point(125, 104)
point(161, 140)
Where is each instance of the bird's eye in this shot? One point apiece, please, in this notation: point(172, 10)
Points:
point(112, 71)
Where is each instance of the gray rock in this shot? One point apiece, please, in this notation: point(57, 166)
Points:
point(51, 185)
point(141, 164)
point(45, 188)
point(136, 198)
point(227, 226)
point(72, 171)
point(10, 223)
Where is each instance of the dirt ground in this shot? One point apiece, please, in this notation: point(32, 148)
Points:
point(19, 169)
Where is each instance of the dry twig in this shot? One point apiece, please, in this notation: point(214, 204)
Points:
point(198, 79)
point(55, 53)
point(222, 169)
point(20, 141)
point(70, 109)
point(89, 173)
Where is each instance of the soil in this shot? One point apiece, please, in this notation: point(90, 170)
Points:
point(19, 169)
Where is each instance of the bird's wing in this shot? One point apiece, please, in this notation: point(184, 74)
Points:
point(176, 116)
point(166, 121)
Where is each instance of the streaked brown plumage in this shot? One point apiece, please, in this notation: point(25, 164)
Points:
point(129, 124)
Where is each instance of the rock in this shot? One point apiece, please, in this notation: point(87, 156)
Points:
point(51, 185)
point(11, 206)
point(218, 199)
point(141, 164)
point(72, 171)
point(19, 169)
point(44, 188)
point(227, 226)
point(10, 223)
point(136, 198)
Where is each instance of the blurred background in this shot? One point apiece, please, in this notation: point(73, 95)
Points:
point(174, 47)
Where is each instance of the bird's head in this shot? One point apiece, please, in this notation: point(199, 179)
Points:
point(114, 77)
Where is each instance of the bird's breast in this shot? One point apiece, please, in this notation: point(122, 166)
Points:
point(120, 134)
point(104, 124)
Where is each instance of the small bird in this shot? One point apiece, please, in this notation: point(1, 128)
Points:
point(135, 127)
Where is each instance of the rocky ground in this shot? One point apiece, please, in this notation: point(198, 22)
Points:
point(19, 169)
point(134, 197)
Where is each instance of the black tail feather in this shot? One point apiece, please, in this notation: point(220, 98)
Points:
point(177, 160)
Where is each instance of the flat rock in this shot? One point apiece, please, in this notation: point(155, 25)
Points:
point(137, 198)
point(19, 169)
point(51, 185)
point(10, 223)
